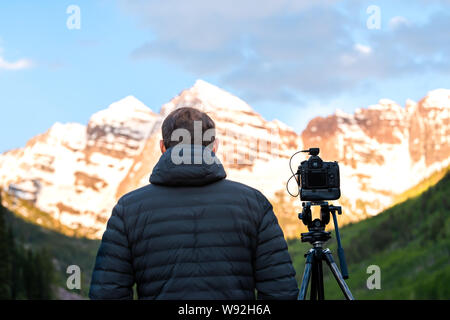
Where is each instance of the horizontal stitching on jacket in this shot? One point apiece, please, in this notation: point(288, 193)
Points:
point(110, 254)
point(116, 271)
point(263, 215)
point(117, 228)
point(198, 276)
point(164, 219)
point(274, 265)
point(150, 237)
point(203, 247)
point(225, 204)
point(153, 236)
point(265, 241)
point(272, 222)
point(202, 195)
point(114, 242)
point(271, 252)
point(206, 290)
point(182, 262)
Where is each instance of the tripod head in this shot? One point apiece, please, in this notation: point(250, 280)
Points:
point(325, 210)
point(316, 234)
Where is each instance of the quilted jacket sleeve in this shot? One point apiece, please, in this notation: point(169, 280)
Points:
point(113, 273)
point(274, 273)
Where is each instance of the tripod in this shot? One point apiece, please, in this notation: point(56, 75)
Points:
point(317, 236)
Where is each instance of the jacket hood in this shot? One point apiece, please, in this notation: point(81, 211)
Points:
point(187, 165)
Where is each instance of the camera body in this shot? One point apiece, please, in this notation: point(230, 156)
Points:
point(319, 179)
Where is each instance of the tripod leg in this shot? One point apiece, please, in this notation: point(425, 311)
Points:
point(319, 279)
point(337, 274)
point(313, 294)
point(306, 275)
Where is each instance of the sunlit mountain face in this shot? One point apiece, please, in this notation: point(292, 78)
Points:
point(76, 173)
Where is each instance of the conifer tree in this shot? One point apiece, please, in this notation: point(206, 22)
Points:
point(5, 257)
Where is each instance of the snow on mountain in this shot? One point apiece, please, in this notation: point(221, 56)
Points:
point(247, 141)
point(76, 169)
point(76, 173)
point(385, 149)
point(439, 98)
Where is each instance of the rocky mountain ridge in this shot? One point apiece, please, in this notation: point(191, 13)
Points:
point(76, 173)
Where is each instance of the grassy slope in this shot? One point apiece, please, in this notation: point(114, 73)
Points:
point(421, 187)
point(410, 242)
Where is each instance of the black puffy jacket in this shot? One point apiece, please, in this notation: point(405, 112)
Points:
point(191, 234)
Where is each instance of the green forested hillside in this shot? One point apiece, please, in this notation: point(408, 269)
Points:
point(24, 273)
point(410, 242)
point(60, 249)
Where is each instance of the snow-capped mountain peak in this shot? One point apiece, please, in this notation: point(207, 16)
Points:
point(77, 173)
point(207, 97)
point(125, 109)
point(437, 98)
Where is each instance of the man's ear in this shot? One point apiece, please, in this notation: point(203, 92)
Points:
point(162, 146)
point(215, 145)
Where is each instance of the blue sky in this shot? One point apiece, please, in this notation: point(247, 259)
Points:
point(291, 60)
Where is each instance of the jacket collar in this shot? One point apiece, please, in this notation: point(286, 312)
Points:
point(187, 165)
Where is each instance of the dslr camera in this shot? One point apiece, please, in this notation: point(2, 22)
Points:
point(318, 180)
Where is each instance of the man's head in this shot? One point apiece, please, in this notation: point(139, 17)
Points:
point(188, 125)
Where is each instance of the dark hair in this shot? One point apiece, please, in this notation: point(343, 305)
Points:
point(183, 118)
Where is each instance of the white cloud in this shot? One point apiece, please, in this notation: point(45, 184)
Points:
point(362, 48)
point(16, 65)
point(281, 50)
point(398, 21)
